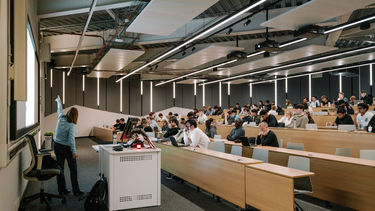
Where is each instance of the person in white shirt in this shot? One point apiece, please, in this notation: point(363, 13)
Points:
point(160, 117)
point(363, 117)
point(314, 102)
point(273, 110)
point(287, 118)
point(194, 136)
point(152, 123)
point(202, 118)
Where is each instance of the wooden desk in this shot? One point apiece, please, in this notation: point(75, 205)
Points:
point(323, 141)
point(102, 133)
point(219, 173)
point(342, 180)
point(271, 187)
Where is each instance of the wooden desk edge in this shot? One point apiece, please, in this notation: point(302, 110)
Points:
point(300, 172)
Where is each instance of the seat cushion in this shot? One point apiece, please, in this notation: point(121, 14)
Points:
point(44, 174)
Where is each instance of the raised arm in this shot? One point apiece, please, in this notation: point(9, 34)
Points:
point(60, 112)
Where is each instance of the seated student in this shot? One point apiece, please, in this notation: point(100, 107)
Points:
point(247, 118)
point(164, 126)
point(116, 126)
point(371, 125)
point(194, 136)
point(236, 132)
point(342, 97)
point(269, 118)
point(173, 128)
point(363, 117)
point(266, 137)
point(145, 126)
point(344, 105)
point(366, 98)
point(273, 110)
point(209, 111)
point(352, 100)
point(314, 102)
point(217, 111)
point(286, 120)
point(176, 116)
point(160, 117)
point(254, 116)
point(152, 123)
point(202, 118)
point(210, 128)
point(300, 118)
point(121, 127)
point(190, 115)
point(180, 134)
point(305, 100)
point(309, 117)
point(342, 118)
point(267, 105)
point(170, 115)
point(229, 118)
point(325, 102)
point(288, 104)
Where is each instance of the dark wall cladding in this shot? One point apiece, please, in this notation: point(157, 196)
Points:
point(353, 80)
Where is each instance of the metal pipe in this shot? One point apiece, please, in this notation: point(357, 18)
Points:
point(93, 4)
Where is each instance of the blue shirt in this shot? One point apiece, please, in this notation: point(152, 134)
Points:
point(65, 131)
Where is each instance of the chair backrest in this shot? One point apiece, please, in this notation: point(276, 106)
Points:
point(346, 128)
point(281, 141)
point(260, 154)
point(217, 146)
point(311, 126)
point(300, 163)
point(296, 146)
point(236, 150)
point(252, 124)
point(33, 151)
point(368, 154)
point(217, 137)
point(347, 152)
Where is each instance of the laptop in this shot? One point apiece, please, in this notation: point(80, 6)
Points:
point(346, 127)
point(174, 142)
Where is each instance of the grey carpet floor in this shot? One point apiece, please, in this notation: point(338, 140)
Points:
point(175, 195)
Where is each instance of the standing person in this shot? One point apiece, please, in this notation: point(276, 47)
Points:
point(65, 148)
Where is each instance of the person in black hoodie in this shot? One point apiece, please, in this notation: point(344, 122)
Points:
point(173, 128)
point(342, 118)
point(236, 132)
point(269, 119)
point(366, 98)
point(266, 137)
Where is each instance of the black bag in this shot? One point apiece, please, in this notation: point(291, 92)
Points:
point(96, 198)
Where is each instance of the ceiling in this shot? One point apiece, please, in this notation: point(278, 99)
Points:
point(149, 28)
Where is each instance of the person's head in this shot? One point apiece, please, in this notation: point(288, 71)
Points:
point(363, 93)
point(160, 115)
point(341, 103)
point(191, 124)
point(287, 102)
point(305, 100)
point(314, 98)
point(362, 108)
point(255, 106)
point(216, 108)
point(254, 112)
point(195, 110)
point(263, 126)
point(72, 115)
point(204, 108)
point(170, 114)
point(122, 121)
point(144, 123)
point(341, 95)
point(182, 124)
point(173, 122)
point(299, 109)
point(246, 112)
point(201, 112)
point(190, 115)
point(117, 121)
point(264, 114)
point(176, 115)
point(238, 122)
point(248, 104)
point(267, 102)
point(237, 105)
point(274, 108)
point(149, 119)
point(289, 114)
point(341, 113)
point(164, 122)
point(209, 108)
point(209, 122)
point(139, 122)
point(324, 98)
point(260, 103)
point(352, 98)
point(231, 108)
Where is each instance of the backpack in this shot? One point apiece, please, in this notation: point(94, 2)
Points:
point(96, 198)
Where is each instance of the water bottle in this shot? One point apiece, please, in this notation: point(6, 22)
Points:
point(294, 123)
point(115, 138)
point(369, 128)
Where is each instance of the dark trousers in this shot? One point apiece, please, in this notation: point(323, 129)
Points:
point(63, 152)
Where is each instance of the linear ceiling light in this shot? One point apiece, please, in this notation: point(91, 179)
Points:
point(255, 54)
point(203, 33)
point(290, 65)
point(196, 72)
point(292, 42)
point(349, 24)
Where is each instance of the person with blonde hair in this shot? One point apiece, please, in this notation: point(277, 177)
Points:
point(266, 137)
point(65, 147)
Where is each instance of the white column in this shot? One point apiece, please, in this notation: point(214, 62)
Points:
point(174, 90)
point(195, 87)
point(121, 96)
point(275, 90)
point(97, 92)
point(63, 88)
point(204, 94)
point(83, 83)
point(309, 87)
point(370, 74)
point(150, 96)
point(51, 79)
point(340, 82)
point(220, 94)
point(251, 90)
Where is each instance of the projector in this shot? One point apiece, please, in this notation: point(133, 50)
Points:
point(268, 45)
point(309, 32)
point(237, 55)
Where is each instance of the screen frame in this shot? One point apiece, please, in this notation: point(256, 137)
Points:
point(14, 133)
